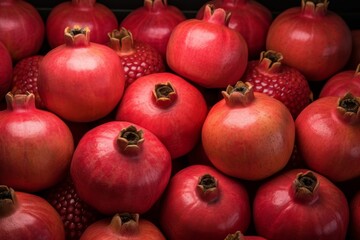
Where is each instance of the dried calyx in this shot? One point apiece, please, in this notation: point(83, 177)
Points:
point(235, 236)
point(122, 42)
point(125, 223)
point(348, 108)
point(208, 189)
point(77, 36)
point(130, 140)
point(164, 94)
point(305, 187)
point(8, 201)
point(241, 94)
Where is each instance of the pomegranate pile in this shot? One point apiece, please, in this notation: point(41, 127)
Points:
point(230, 124)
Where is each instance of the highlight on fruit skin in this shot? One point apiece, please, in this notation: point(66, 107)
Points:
point(81, 81)
point(327, 136)
point(305, 33)
point(37, 145)
point(206, 51)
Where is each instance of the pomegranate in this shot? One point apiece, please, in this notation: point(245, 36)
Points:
point(341, 83)
point(202, 203)
point(270, 76)
point(81, 81)
point(312, 39)
point(250, 18)
point(256, 147)
point(153, 23)
point(167, 105)
point(192, 40)
point(119, 166)
point(36, 145)
point(22, 29)
point(122, 227)
point(327, 136)
point(96, 16)
point(300, 204)
point(27, 216)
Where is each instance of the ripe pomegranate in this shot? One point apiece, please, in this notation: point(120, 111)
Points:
point(36, 145)
point(248, 135)
point(249, 17)
point(81, 81)
point(167, 105)
point(25, 76)
point(119, 166)
point(204, 204)
point(342, 83)
point(312, 38)
point(206, 51)
point(300, 204)
point(328, 136)
point(22, 29)
point(271, 76)
point(91, 13)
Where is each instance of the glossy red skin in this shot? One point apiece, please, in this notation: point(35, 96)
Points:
point(318, 45)
point(81, 83)
point(33, 217)
point(153, 23)
point(22, 30)
point(327, 143)
point(250, 18)
point(179, 125)
point(113, 182)
point(341, 83)
point(355, 216)
point(277, 215)
point(184, 215)
point(102, 230)
point(37, 147)
point(5, 70)
point(209, 54)
point(257, 146)
point(99, 18)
